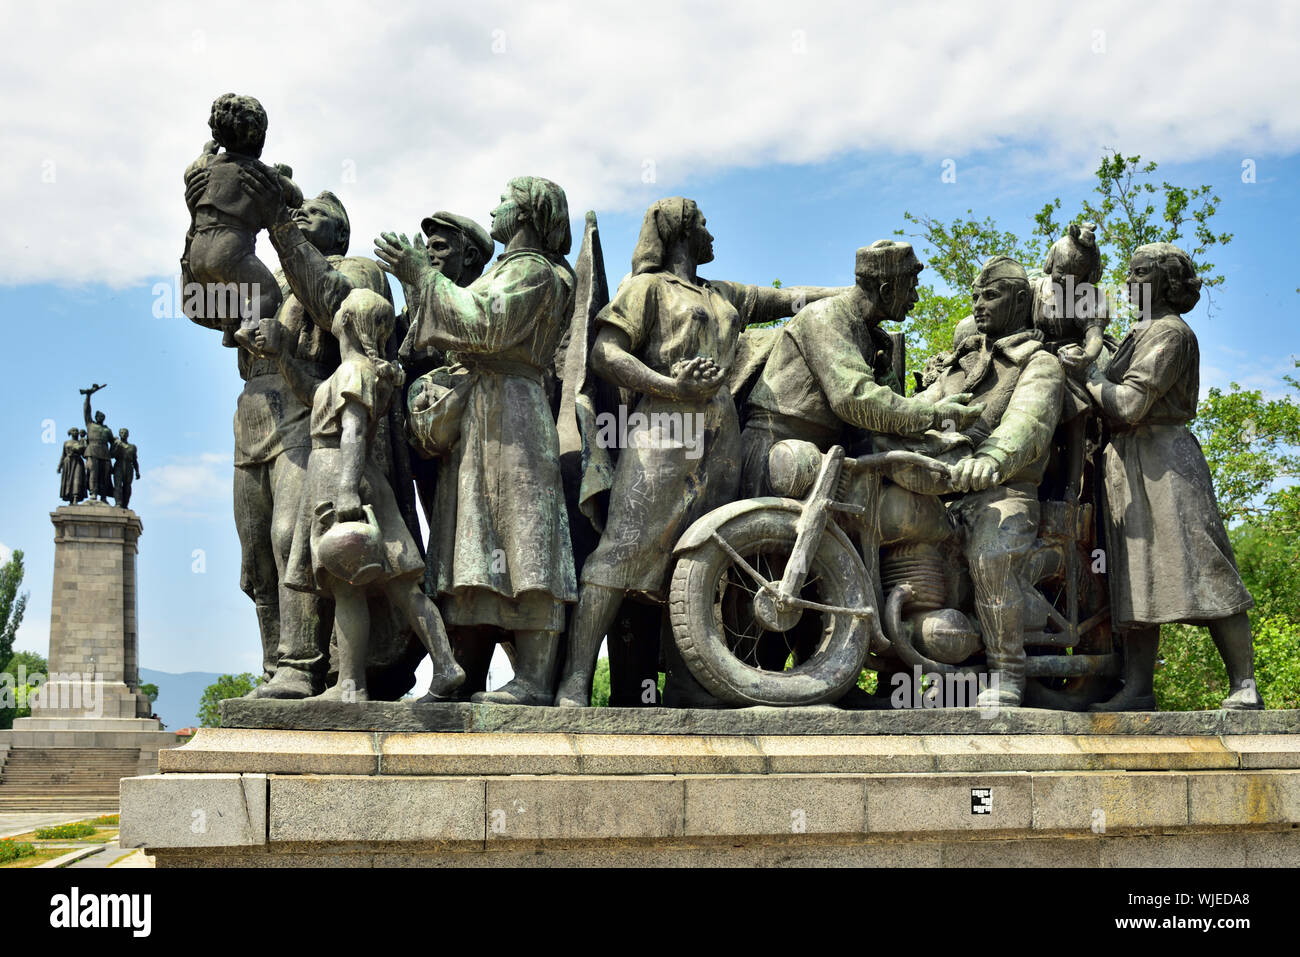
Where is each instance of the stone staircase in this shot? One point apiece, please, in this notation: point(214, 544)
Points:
point(65, 779)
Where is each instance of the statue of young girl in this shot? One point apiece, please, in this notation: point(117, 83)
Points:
point(351, 541)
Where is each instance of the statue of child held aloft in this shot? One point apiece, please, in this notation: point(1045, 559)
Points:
point(1069, 308)
point(220, 244)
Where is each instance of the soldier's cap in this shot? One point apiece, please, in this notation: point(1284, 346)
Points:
point(886, 258)
point(1001, 267)
point(470, 229)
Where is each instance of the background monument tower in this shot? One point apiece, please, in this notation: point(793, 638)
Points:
point(90, 725)
point(93, 637)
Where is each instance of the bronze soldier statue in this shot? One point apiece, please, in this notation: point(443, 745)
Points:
point(830, 370)
point(126, 465)
point(998, 461)
point(99, 442)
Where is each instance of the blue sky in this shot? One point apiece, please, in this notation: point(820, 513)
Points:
point(793, 175)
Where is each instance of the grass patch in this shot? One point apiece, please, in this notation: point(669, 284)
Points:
point(104, 820)
point(40, 856)
point(65, 832)
point(11, 850)
point(101, 835)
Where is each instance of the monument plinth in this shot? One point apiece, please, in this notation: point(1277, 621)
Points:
point(92, 697)
point(93, 636)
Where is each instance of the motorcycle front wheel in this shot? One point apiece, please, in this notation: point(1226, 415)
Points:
point(711, 607)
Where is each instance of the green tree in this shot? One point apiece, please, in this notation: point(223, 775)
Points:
point(150, 691)
point(12, 604)
point(1133, 211)
point(26, 664)
point(227, 686)
point(1251, 445)
point(1130, 207)
point(600, 684)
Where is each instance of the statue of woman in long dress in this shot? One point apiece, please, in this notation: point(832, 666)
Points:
point(671, 337)
point(1169, 556)
point(72, 466)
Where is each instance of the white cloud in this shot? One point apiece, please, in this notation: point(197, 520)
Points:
point(111, 101)
point(6, 553)
point(190, 481)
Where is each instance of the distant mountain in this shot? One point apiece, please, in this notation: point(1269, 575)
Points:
point(178, 695)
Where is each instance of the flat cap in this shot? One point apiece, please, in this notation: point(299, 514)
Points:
point(471, 230)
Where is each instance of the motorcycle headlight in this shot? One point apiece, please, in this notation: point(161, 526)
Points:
point(792, 467)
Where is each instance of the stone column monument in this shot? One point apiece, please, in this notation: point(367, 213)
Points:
point(92, 696)
point(94, 670)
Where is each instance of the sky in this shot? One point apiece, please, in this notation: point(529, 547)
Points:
point(803, 131)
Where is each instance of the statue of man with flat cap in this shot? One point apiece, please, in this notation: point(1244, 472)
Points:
point(458, 248)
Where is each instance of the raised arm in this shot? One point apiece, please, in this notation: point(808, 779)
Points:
point(318, 285)
point(758, 304)
point(848, 381)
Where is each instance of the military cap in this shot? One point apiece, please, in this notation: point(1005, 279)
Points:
point(886, 258)
point(1001, 267)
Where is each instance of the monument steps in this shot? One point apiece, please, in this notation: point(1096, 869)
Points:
point(65, 779)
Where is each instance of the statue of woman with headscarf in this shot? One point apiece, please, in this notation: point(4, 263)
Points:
point(500, 551)
point(670, 337)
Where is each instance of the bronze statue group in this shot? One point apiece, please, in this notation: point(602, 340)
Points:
point(95, 464)
point(477, 408)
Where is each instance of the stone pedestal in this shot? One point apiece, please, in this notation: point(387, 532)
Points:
point(760, 787)
point(92, 696)
point(94, 670)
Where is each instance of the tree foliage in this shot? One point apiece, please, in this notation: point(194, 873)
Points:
point(25, 665)
point(1130, 207)
point(227, 686)
point(12, 604)
point(1250, 442)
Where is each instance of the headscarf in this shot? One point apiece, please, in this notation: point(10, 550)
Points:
point(665, 222)
point(548, 210)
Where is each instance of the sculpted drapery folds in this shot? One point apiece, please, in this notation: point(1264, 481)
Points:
point(671, 338)
point(348, 408)
point(501, 546)
point(72, 468)
point(1169, 554)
